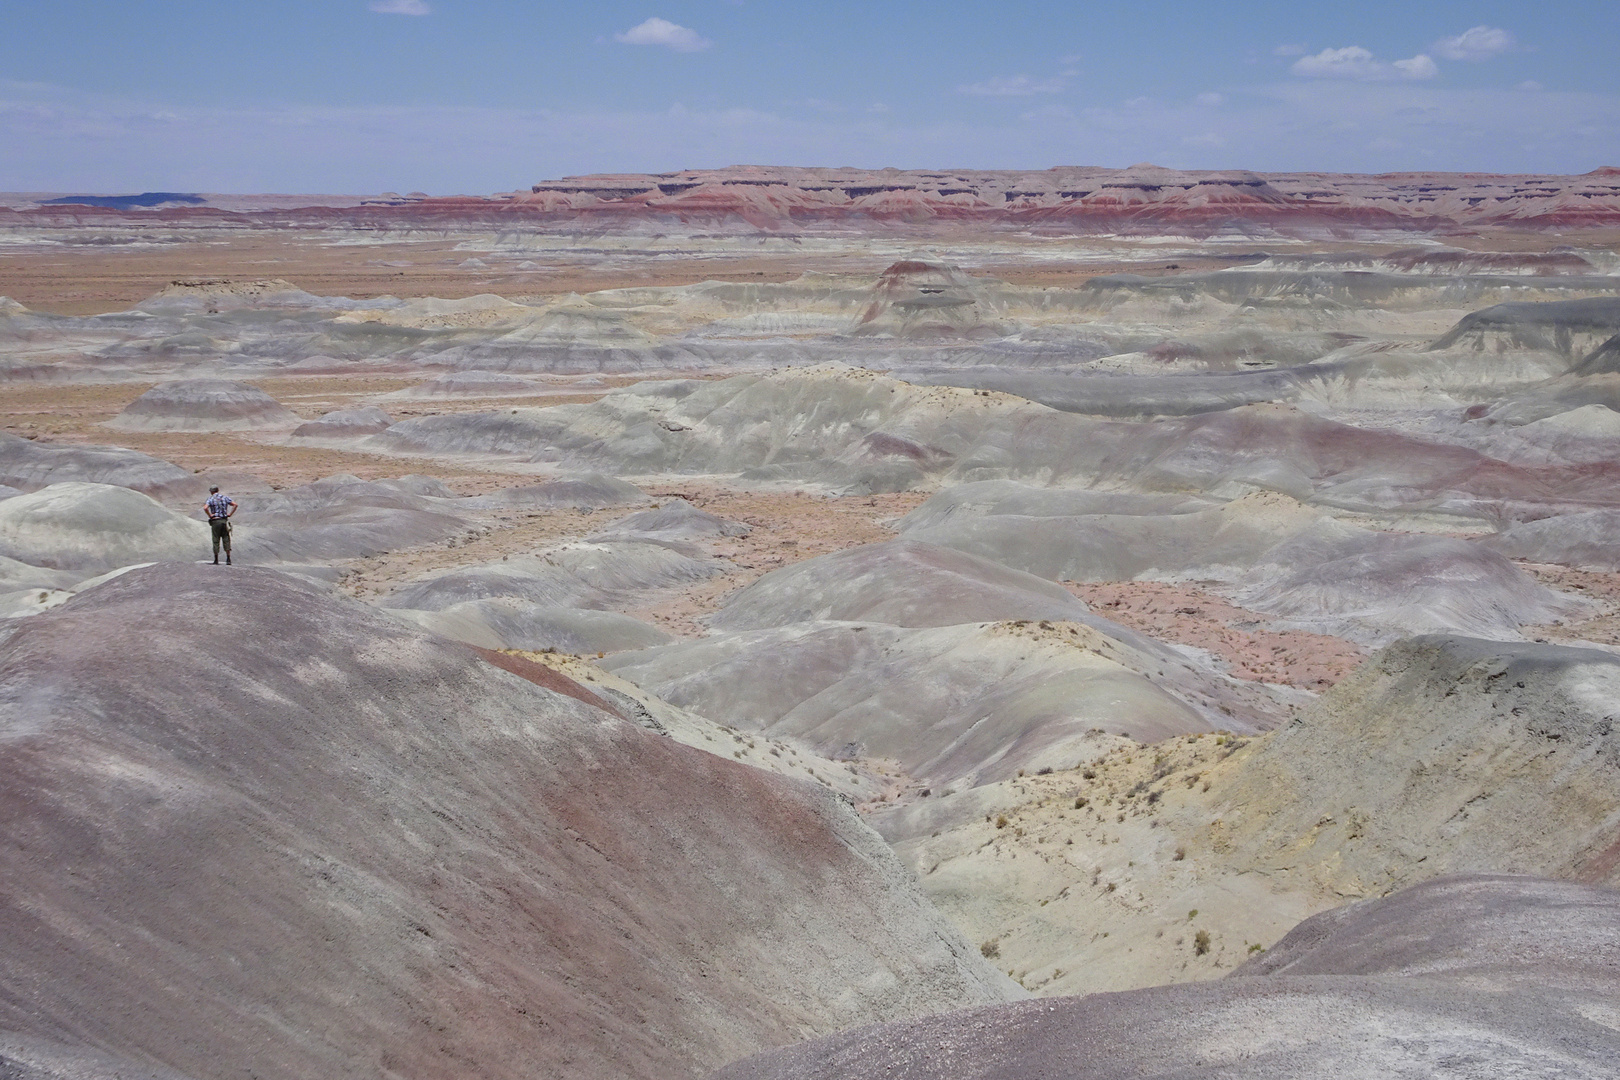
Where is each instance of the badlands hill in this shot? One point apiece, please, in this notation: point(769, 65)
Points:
point(680, 616)
point(1414, 985)
point(286, 834)
point(1177, 861)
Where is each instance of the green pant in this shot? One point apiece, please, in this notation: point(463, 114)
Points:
point(222, 534)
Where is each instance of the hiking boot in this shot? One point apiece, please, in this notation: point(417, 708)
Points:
point(227, 560)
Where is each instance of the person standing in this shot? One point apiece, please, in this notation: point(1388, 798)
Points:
point(219, 509)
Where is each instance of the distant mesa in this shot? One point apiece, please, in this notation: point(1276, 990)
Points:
point(203, 405)
point(1083, 198)
point(144, 201)
point(1065, 200)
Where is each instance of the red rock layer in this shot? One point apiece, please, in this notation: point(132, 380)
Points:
point(1069, 199)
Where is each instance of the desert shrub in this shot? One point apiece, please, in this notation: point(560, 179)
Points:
point(990, 949)
point(1201, 943)
point(1001, 821)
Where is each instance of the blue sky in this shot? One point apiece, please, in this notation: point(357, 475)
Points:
point(479, 96)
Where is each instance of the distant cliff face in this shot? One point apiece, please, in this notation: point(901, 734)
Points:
point(1081, 196)
point(1068, 199)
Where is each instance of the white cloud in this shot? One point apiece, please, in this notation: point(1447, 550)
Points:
point(1354, 62)
point(1419, 67)
point(1211, 98)
point(1478, 43)
point(1014, 86)
point(400, 7)
point(656, 31)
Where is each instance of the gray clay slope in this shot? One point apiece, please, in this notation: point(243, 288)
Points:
point(582, 574)
point(1464, 978)
point(854, 431)
point(345, 424)
point(95, 528)
point(284, 834)
point(29, 465)
point(1465, 750)
point(959, 668)
point(343, 517)
point(1273, 554)
point(901, 582)
point(507, 623)
point(1493, 931)
point(203, 405)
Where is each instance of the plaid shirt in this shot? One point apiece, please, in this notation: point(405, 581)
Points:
point(219, 505)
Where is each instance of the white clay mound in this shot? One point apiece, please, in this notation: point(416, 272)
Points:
point(203, 405)
point(958, 705)
point(345, 424)
point(902, 582)
point(473, 384)
point(505, 623)
point(96, 527)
